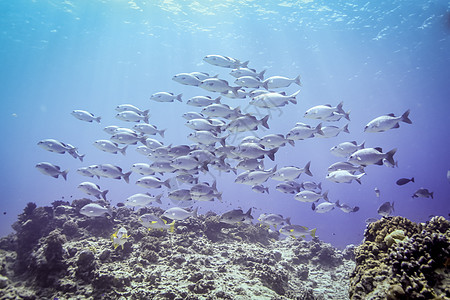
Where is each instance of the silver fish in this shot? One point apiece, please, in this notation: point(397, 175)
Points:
point(372, 156)
point(276, 82)
point(165, 97)
point(224, 61)
point(51, 170)
point(236, 216)
point(85, 116)
point(110, 147)
point(345, 149)
point(95, 210)
point(387, 122)
point(344, 176)
point(186, 79)
point(152, 182)
point(93, 190)
point(177, 213)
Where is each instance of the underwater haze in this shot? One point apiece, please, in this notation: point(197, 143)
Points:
point(378, 57)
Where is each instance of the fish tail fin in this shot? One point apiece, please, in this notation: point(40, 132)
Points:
point(194, 213)
point(271, 154)
point(217, 100)
point(204, 167)
point(64, 174)
point(123, 150)
point(288, 220)
point(249, 212)
point(362, 145)
point(219, 196)
point(161, 132)
point(146, 118)
point(261, 74)
point(81, 157)
point(172, 226)
point(179, 97)
point(345, 129)
point(158, 199)
point(337, 204)
point(297, 80)
point(264, 121)
point(235, 90)
point(145, 112)
point(431, 194)
point(273, 170)
point(306, 169)
point(347, 115)
point(104, 194)
point(244, 64)
point(390, 156)
point(266, 189)
point(222, 141)
point(405, 117)
point(313, 232)
point(412, 179)
point(339, 108)
point(98, 119)
point(359, 177)
point(291, 142)
point(293, 96)
point(265, 85)
point(126, 177)
point(325, 196)
point(318, 129)
point(167, 183)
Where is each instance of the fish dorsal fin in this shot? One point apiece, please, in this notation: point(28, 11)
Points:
point(304, 227)
point(354, 143)
point(390, 115)
point(328, 105)
point(379, 149)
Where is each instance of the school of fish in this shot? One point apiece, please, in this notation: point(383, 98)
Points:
point(216, 134)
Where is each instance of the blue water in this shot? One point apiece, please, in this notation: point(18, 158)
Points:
point(377, 57)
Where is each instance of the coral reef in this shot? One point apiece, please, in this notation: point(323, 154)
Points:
point(57, 253)
point(400, 259)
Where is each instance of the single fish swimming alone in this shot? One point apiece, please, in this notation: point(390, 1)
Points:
point(403, 181)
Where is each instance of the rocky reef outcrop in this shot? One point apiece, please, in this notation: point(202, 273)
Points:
point(57, 253)
point(400, 259)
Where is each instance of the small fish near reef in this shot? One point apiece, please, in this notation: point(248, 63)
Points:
point(119, 238)
point(386, 209)
point(296, 231)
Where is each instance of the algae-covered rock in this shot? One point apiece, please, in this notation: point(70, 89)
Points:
point(400, 259)
point(71, 257)
point(395, 236)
